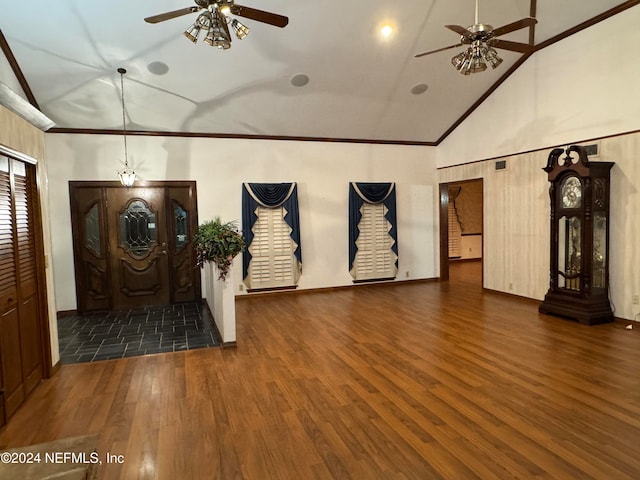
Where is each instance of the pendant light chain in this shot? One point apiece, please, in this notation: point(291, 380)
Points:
point(127, 174)
point(122, 71)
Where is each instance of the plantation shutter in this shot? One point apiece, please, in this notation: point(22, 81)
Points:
point(373, 238)
point(273, 263)
point(271, 228)
point(374, 258)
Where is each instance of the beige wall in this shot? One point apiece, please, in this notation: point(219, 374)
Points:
point(515, 228)
point(516, 221)
point(20, 136)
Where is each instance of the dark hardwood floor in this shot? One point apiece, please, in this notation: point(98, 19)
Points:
point(418, 380)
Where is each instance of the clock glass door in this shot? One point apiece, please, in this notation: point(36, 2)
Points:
point(569, 252)
point(599, 262)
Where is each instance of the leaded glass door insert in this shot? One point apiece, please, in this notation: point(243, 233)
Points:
point(181, 225)
point(138, 229)
point(92, 232)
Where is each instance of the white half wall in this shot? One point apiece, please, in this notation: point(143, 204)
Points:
point(219, 166)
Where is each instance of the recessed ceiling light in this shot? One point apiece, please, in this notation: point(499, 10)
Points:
point(386, 30)
point(299, 80)
point(419, 89)
point(158, 68)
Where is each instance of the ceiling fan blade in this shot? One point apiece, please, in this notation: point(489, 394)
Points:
point(260, 15)
point(169, 15)
point(512, 27)
point(460, 30)
point(438, 50)
point(513, 46)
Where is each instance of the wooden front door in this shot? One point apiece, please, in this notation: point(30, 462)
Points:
point(138, 246)
point(133, 246)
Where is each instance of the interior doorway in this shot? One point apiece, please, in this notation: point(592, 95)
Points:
point(462, 230)
point(132, 246)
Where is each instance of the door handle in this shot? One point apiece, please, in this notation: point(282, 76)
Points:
point(153, 259)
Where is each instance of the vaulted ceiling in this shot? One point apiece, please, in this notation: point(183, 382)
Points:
point(361, 84)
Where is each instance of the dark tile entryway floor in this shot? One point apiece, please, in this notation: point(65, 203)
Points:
point(156, 329)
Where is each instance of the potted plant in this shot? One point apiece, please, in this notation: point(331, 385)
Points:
point(219, 243)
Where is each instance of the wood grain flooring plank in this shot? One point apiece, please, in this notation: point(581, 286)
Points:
point(394, 381)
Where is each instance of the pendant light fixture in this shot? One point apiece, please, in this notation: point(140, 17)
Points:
point(127, 174)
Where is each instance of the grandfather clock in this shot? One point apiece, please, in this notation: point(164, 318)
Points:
point(579, 191)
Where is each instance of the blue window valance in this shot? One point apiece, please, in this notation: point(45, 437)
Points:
point(361, 192)
point(269, 195)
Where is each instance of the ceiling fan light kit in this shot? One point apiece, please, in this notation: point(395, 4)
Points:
point(482, 38)
point(240, 30)
point(216, 18)
point(218, 34)
point(203, 22)
point(475, 59)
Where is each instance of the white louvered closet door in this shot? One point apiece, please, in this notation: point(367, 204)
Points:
point(374, 258)
point(273, 263)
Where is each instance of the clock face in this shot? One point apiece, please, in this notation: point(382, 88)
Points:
point(571, 192)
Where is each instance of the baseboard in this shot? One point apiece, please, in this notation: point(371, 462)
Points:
point(535, 301)
point(337, 288)
point(55, 368)
point(65, 313)
point(227, 345)
point(624, 322)
point(512, 295)
point(271, 289)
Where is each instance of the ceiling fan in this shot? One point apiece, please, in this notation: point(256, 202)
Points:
point(216, 18)
point(482, 38)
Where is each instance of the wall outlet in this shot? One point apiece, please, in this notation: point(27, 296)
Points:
point(241, 287)
point(635, 299)
point(511, 286)
point(406, 274)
